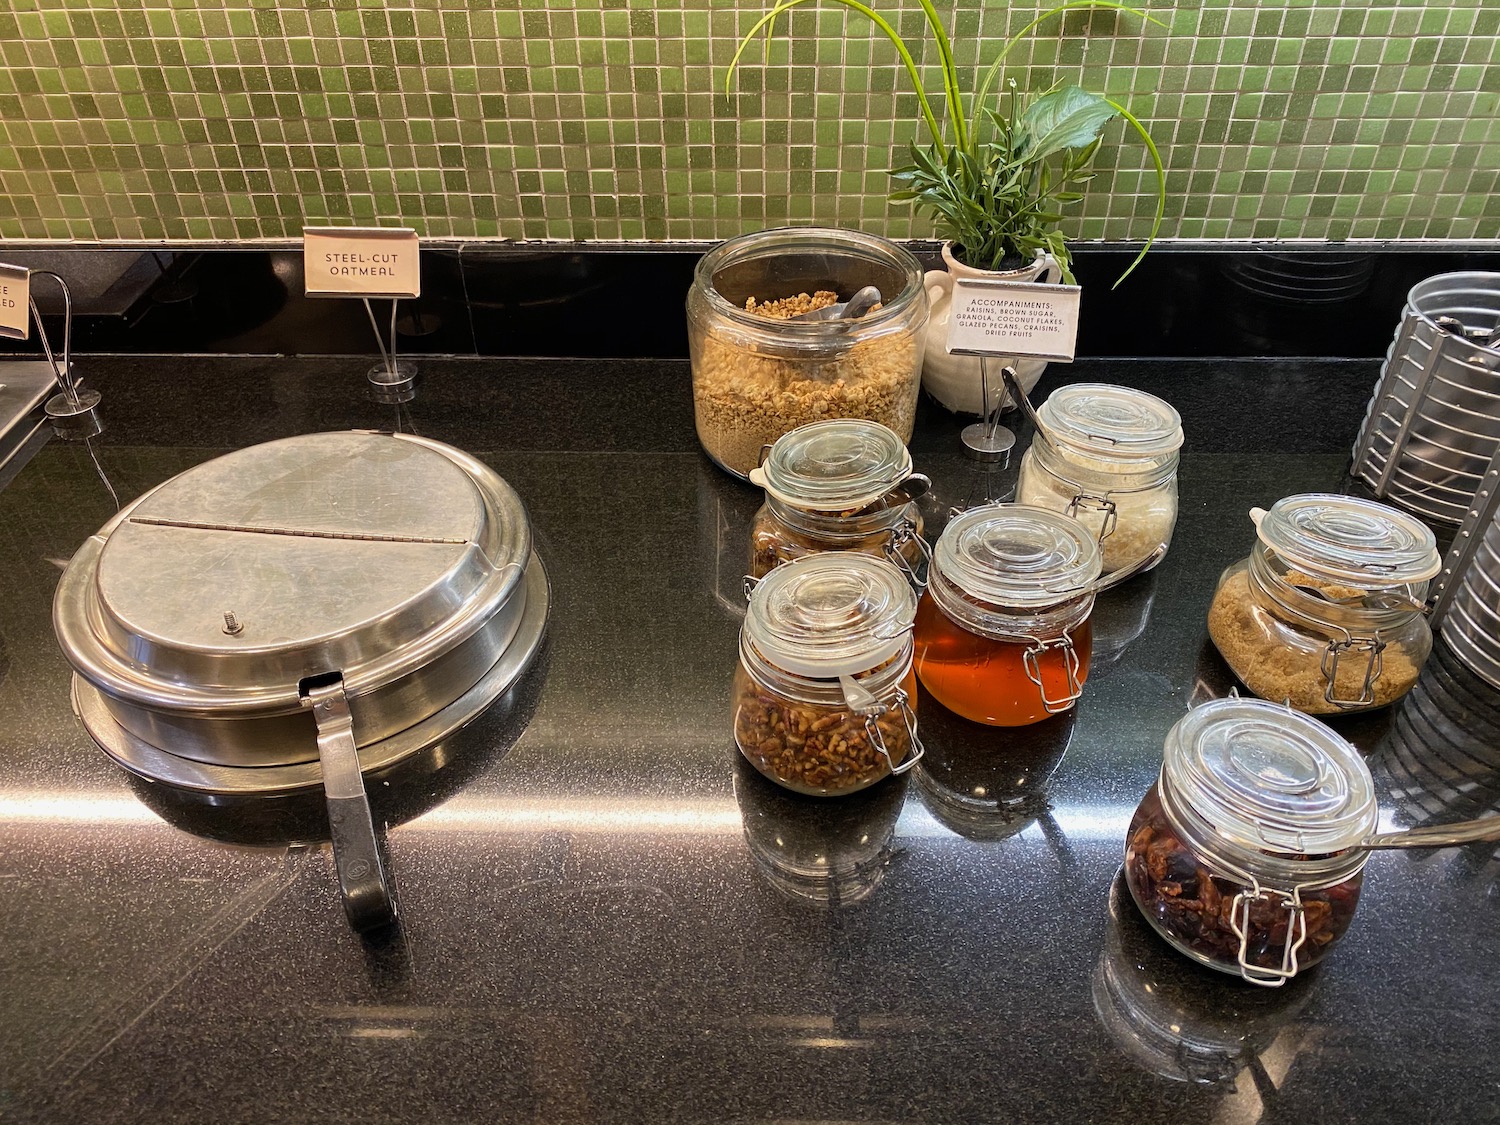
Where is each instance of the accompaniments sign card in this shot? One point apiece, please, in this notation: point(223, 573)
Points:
point(15, 302)
point(361, 262)
point(1013, 318)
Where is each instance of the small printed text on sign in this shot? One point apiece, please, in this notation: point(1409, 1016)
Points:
point(1014, 317)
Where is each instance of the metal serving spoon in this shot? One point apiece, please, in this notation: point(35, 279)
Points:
point(903, 494)
point(1483, 829)
point(1018, 396)
point(1378, 600)
point(856, 306)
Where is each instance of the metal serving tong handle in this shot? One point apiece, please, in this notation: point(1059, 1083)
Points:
point(1482, 830)
point(356, 855)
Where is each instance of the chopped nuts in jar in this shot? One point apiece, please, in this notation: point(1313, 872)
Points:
point(815, 748)
point(1261, 651)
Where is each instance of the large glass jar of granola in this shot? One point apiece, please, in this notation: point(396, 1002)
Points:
point(825, 483)
point(759, 373)
point(1111, 463)
point(824, 698)
point(1002, 634)
point(1327, 611)
point(1244, 853)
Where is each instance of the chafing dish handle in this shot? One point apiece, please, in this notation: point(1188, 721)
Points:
point(356, 854)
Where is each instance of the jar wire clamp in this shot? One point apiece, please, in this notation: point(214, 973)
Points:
point(867, 705)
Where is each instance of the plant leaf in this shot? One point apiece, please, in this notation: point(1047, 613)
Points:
point(1068, 117)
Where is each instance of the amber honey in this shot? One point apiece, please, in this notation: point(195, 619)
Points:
point(984, 679)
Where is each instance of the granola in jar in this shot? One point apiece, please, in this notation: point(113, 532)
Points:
point(759, 373)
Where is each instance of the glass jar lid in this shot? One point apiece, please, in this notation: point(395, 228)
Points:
point(1270, 779)
point(838, 613)
point(1353, 540)
point(1112, 421)
point(1018, 555)
point(834, 466)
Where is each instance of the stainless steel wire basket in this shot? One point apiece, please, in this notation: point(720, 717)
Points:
point(1433, 425)
point(1466, 606)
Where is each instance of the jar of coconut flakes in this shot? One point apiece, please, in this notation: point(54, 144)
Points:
point(1109, 460)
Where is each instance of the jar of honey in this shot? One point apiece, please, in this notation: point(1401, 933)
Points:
point(826, 486)
point(1002, 632)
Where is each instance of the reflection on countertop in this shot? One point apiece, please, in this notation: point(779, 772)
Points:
point(607, 917)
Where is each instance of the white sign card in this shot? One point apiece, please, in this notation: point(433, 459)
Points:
point(361, 262)
point(15, 302)
point(1013, 318)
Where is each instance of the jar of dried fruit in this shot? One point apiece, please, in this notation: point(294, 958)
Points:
point(759, 373)
point(1327, 611)
point(824, 695)
point(1243, 854)
point(1002, 634)
point(1111, 463)
point(824, 486)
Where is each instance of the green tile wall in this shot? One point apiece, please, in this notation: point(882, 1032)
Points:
point(598, 119)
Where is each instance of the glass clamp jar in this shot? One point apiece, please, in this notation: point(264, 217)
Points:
point(824, 485)
point(824, 695)
point(1244, 855)
point(1002, 633)
point(1108, 458)
point(1327, 613)
point(759, 373)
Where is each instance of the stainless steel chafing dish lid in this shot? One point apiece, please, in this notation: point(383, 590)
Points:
point(221, 590)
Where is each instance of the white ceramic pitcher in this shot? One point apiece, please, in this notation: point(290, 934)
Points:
point(954, 379)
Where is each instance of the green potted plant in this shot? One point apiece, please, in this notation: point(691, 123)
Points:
point(997, 174)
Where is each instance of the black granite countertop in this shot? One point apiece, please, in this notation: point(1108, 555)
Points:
point(608, 917)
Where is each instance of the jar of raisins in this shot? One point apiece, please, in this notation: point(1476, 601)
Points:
point(824, 697)
point(1243, 854)
point(1002, 633)
point(824, 484)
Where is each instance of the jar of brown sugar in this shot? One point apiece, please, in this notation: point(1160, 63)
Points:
point(824, 697)
point(1002, 633)
point(1327, 611)
point(824, 484)
point(1244, 853)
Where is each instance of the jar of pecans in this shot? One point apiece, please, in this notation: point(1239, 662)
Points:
point(824, 483)
point(1327, 611)
point(1002, 632)
point(1243, 854)
point(824, 694)
point(1111, 462)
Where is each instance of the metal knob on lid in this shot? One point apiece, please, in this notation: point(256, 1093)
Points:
point(296, 612)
